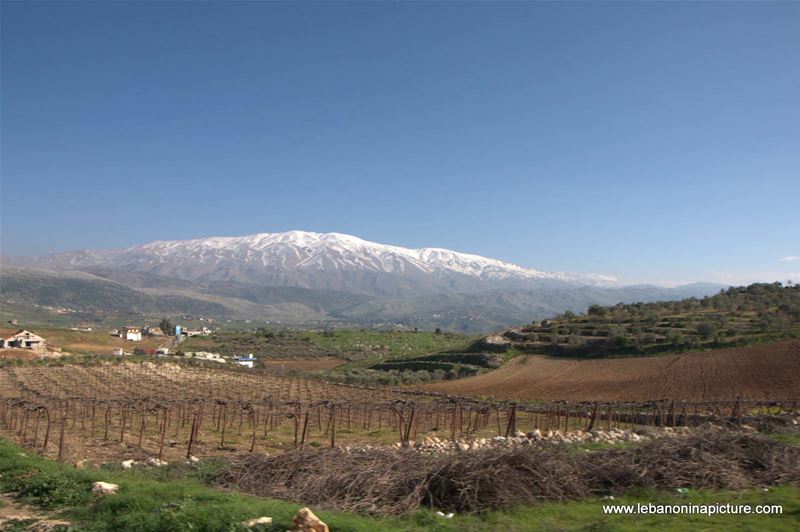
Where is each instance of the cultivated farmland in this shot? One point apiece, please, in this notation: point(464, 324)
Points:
point(167, 410)
point(768, 371)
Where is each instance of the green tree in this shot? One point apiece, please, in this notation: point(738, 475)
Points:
point(167, 327)
point(597, 310)
point(705, 329)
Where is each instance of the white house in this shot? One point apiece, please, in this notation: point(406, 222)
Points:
point(205, 331)
point(23, 339)
point(248, 361)
point(133, 334)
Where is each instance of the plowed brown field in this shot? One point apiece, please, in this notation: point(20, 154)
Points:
point(769, 371)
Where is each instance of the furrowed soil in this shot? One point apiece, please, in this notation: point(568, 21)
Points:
point(768, 371)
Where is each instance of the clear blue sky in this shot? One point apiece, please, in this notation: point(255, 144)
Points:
point(652, 141)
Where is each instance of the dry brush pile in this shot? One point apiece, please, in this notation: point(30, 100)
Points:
point(393, 482)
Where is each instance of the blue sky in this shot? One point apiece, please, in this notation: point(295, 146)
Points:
point(652, 141)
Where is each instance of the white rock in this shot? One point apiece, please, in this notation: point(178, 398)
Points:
point(127, 464)
point(104, 488)
point(266, 521)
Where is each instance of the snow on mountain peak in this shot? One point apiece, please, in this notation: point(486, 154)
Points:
point(304, 250)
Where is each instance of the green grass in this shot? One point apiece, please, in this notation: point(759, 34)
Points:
point(361, 347)
point(177, 499)
point(588, 515)
point(145, 503)
point(365, 348)
point(790, 438)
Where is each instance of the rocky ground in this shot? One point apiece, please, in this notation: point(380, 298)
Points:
point(615, 436)
point(17, 516)
point(521, 439)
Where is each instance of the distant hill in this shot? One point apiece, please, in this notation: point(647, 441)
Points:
point(91, 296)
point(736, 316)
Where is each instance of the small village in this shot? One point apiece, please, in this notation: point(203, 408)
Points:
point(27, 341)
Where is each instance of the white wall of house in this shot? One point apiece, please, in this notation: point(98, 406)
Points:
point(133, 335)
point(25, 340)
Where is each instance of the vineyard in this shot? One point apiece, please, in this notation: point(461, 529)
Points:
point(171, 411)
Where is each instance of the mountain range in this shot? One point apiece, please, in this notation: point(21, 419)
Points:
point(299, 277)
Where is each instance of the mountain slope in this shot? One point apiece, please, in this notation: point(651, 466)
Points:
point(495, 309)
point(85, 292)
point(105, 292)
point(91, 296)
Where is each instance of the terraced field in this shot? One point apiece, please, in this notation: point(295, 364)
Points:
point(768, 371)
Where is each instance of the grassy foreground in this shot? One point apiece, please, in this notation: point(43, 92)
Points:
point(177, 498)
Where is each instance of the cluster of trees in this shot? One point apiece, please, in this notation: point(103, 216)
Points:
point(372, 377)
point(780, 298)
point(734, 316)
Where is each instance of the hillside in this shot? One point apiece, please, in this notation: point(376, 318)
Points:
point(103, 294)
point(736, 316)
point(111, 296)
point(480, 312)
point(84, 293)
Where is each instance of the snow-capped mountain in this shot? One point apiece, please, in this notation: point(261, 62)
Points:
point(331, 261)
point(309, 278)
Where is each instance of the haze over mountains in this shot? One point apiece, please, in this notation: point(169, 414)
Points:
point(299, 277)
